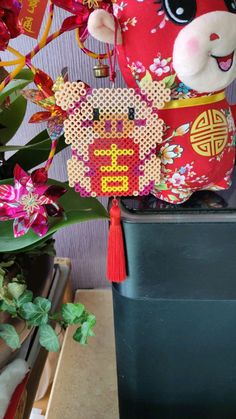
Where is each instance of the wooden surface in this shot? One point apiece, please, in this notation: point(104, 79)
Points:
point(85, 384)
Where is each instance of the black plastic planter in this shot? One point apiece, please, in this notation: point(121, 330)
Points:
point(175, 316)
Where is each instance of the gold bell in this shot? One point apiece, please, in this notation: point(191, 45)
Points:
point(101, 70)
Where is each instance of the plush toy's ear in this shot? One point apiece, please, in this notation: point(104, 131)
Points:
point(101, 26)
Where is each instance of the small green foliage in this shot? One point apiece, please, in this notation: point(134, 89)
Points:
point(36, 313)
point(10, 336)
point(8, 308)
point(72, 313)
point(48, 338)
point(18, 301)
point(26, 297)
point(85, 330)
point(15, 289)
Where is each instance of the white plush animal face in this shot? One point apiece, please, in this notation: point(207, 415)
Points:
point(204, 55)
point(196, 39)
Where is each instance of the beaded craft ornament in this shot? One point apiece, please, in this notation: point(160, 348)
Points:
point(113, 134)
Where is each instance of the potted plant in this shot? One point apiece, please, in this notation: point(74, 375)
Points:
point(26, 260)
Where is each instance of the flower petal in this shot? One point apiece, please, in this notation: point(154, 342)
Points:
point(7, 212)
point(40, 225)
point(55, 127)
point(23, 182)
point(54, 192)
point(7, 193)
point(12, 21)
point(22, 225)
point(54, 210)
point(72, 6)
point(33, 95)
point(73, 22)
point(44, 83)
point(19, 173)
point(40, 117)
point(39, 177)
point(4, 36)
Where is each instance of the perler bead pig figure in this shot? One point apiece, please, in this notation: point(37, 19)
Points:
point(189, 45)
point(114, 135)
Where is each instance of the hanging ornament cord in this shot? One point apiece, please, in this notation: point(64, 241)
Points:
point(112, 56)
point(116, 261)
point(51, 155)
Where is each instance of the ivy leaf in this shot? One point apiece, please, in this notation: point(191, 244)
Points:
point(43, 303)
point(48, 338)
point(71, 313)
point(80, 337)
point(15, 289)
point(83, 332)
point(36, 313)
point(26, 297)
point(8, 308)
point(91, 320)
point(10, 336)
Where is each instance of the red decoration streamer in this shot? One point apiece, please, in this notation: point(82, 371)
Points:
point(116, 262)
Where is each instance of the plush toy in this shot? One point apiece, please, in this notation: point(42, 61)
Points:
point(190, 44)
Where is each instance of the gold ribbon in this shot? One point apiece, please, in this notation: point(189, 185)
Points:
point(195, 101)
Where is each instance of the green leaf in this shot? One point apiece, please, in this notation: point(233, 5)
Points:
point(41, 146)
point(43, 303)
point(72, 312)
point(83, 332)
point(77, 209)
point(8, 308)
point(48, 338)
point(28, 158)
point(36, 313)
point(10, 336)
point(80, 337)
point(11, 119)
point(91, 320)
point(21, 80)
point(26, 297)
point(15, 289)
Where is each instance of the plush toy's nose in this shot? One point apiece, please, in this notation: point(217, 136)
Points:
point(214, 37)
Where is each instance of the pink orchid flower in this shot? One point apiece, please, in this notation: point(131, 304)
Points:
point(29, 202)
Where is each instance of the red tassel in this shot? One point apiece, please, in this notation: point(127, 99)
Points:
point(116, 265)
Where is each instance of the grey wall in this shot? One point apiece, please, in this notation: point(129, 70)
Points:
point(85, 244)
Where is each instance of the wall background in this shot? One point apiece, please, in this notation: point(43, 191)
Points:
point(85, 244)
